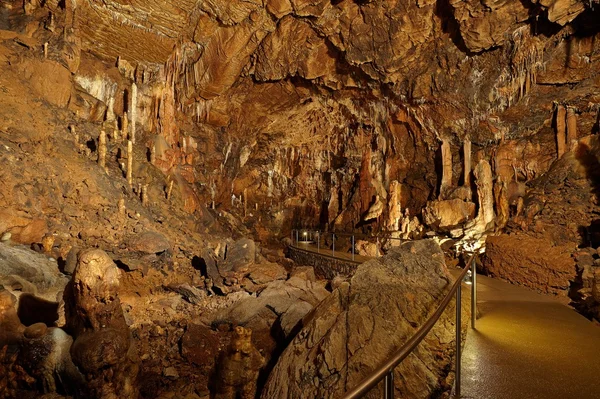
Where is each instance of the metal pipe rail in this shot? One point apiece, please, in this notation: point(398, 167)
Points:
point(308, 236)
point(386, 370)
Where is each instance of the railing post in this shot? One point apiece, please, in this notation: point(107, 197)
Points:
point(473, 294)
point(292, 236)
point(388, 385)
point(296, 237)
point(352, 246)
point(318, 241)
point(333, 246)
point(458, 341)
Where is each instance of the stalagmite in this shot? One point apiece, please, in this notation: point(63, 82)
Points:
point(170, 190)
point(124, 126)
point(133, 111)
point(502, 205)
point(483, 174)
point(102, 149)
point(270, 183)
point(520, 205)
point(571, 142)
point(153, 153)
point(405, 225)
point(144, 195)
point(467, 155)
point(116, 136)
point(46, 50)
point(446, 167)
point(560, 130)
point(483, 222)
point(121, 206)
point(110, 105)
point(129, 163)
point(245, 202)
point(395, 206)
point(375, 210)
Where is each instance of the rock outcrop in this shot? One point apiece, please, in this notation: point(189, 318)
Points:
point(103, 348)
point(532, 262)
point(363, 321)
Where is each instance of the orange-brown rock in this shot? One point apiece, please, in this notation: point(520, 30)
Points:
point(50, 81)
point(531, 262)
point(24, 229)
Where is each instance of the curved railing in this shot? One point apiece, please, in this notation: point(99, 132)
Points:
point(386, 370)
point(315, 236)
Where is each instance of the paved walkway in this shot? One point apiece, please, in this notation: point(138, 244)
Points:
point(529, 345)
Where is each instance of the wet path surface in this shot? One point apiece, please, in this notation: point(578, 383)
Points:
point(529, 345)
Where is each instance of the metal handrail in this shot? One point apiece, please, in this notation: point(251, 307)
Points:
point(386, 369)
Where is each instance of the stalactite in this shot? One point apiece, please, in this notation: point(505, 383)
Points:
point(571, 141)
point(130, 163)
point(467, 159)
point(102, 149)
point(446, 166)
point(133, 111)
point(560, 130)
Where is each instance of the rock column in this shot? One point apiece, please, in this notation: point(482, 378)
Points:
point(571, 142)
point(560, 131)
point(467, 155)
point(446, 166)
point(103, 349)
point(484, 181)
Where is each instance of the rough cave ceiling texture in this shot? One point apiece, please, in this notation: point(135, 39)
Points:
point(292, 99)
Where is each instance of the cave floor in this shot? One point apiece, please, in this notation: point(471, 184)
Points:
point(528, 345)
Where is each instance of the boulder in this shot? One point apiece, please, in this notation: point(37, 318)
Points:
point(45, 355)
point(366, 248)
point(21, 263)
point(353, 330)
point(531, 262)
point(238, 256)
point(200, 346)
point(149, 242)
point(23, 228)
point(447, 214)
point(11, 329)
point(263, 273)
point(281, 302)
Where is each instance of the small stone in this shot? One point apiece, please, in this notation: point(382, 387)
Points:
point(584, 260)
point(6, 236)
point(35, 330)
point(171, 372)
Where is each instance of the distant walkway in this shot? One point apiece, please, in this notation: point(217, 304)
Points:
point(309, 246)
point(529, 345)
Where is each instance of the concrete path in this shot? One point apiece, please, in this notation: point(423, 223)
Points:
point(529, 345)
